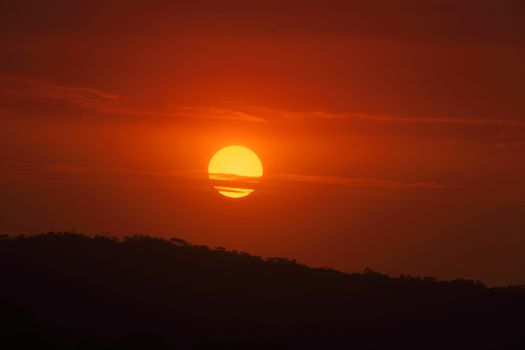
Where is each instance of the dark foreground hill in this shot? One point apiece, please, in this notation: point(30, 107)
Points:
point(68, 291)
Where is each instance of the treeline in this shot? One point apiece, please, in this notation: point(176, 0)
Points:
point(70, 291)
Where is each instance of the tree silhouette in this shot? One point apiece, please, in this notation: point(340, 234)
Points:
point(70, 291)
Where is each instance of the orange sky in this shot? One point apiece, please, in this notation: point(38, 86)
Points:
point(392, 133)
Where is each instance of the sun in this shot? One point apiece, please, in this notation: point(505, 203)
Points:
point(235, 163)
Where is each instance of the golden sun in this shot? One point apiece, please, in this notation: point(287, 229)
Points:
point(234, 163)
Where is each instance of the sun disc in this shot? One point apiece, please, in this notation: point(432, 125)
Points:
point(234, 163)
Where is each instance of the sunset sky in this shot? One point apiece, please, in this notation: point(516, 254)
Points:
point(392, 133)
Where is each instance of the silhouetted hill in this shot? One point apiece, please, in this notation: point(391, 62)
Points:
point(69, 291)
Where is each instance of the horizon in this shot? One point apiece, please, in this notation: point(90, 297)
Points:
point(177, 241)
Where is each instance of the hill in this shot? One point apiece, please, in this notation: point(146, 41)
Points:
point(70, 291)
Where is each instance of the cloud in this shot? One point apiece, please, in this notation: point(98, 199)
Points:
point(25, 89)
point(30, 88)
point(367, 187)
point(381, 118)
point(220, 113)
point(198, 179)
point(43, 168)
point(359, 182)
point(513, 123)
point(202, 113)
point(79, 174)
point(106, 103)
point(509, 138)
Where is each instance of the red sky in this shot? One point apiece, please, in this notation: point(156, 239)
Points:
point(392, 133)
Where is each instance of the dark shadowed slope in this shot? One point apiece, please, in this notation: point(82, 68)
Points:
point(71, 291)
